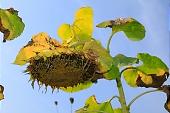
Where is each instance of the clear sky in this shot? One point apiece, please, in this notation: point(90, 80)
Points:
point(47, 16)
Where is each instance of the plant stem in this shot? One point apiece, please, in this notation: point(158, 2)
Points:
point(109, 41)
point(140, 95)
point(113, 98)
point(122, 98)
point(127, 69)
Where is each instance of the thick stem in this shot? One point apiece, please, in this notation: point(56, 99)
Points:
point(122, 98)
point(140, 95)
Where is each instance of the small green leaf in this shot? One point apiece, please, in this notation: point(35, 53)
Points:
point(134, 30)
point(113, 72)
point(11, 24)
point(121, 60)
point(152, 73)
point(77, 88)
point(104, 58)
point(92, 105)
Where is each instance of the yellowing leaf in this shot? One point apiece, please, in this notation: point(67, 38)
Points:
point(65, 32)
point(166, 89)
point(24, 55)
point(11, 24)
point(83, 23)
point(40, 43)
point(152, 73)
point(77, 88)
point(144, 78)
point(130, 77)
point(80, 30)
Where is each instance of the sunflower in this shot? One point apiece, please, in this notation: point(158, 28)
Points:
point(53, 64)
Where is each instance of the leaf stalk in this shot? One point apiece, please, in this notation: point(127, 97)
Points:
point(109, 41)
point(142, 94)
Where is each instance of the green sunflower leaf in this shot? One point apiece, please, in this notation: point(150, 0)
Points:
point(104, 58)
point(11, 25)
point(91, 105)
point(151, 73)
point(122, 60)
point(152, 64)
point(134, 30)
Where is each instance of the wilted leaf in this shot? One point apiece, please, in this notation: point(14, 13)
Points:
point(104, 58)
point(105, 24)
point(11, 24)
point(81, 29)
point(152, 73)
point(121, 60)
point(166, 89)
point(1, 92)
point(134, 30)
point(92, 105)
point(39, 43)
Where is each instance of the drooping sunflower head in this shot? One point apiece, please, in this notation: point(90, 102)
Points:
point(52, 64)
point(63, 69)
point(72, 65)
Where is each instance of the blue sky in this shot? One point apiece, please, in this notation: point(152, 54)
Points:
point(47, 16)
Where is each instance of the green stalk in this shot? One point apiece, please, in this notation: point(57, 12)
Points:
point(122, 98)
point(109, 41)
point(113, 98)
point(140, 95)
